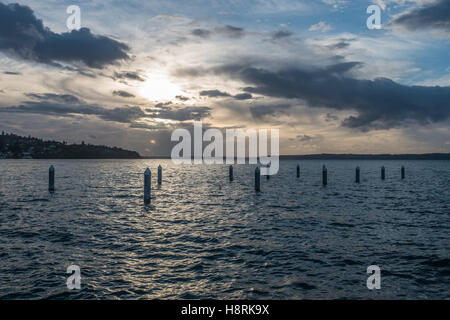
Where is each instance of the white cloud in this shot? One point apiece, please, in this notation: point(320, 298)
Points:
point(380, 57)
point(320, 26)
point(335, 3)
point(443, 81)
point(383, 3)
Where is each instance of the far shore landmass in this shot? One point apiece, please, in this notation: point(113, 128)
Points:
point(17, 147)
point(13, 146)
point(350, 156)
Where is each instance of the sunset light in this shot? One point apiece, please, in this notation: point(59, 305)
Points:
point(225, 159)
point(159, 87)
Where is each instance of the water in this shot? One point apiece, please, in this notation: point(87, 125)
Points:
point(204, 237)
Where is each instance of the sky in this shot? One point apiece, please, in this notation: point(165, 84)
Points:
point(137, 70)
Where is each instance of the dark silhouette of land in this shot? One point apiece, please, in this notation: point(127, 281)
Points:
point(324, 156)
point(16, 147)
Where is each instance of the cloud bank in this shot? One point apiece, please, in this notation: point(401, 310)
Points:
point(24, 36)
point(432, 16)
point(379, 104)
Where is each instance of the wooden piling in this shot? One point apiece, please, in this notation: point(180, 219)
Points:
point(230, 173)
point(403, 172)
point(324, 175)
point(159, 175)
point(51, 179)
point(357, 180)
point(383, 173)
point(257, 180)
point(147, 186)
point(298, 171)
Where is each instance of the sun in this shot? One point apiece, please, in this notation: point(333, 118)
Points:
point(158, 87)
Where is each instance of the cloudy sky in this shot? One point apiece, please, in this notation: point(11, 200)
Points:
point(137, 70)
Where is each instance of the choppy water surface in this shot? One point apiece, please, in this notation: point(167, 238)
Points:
point(204, 237)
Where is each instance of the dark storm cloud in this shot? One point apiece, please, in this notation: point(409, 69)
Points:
point(339, 45)
point(123, 94)
point(231, 31)
point(24, 36)
point(262, 111)
point(59, 98)
point(304, 138)
point(228, 31)
point(214, 93)
point(122, 114)
point(68, 106)
point(218, 94)
point(190, 72)
point(243, 96)
point(202, 33)
point(119, 114)
point(170, 112)
point(182, 98)
point(309, 139)
point(128, 75)
point(379, 104)
point(64, 105)
point(281, 34)
point(432, 16)
point(331, 117)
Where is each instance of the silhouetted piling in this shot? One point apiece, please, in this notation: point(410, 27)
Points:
point(268, 176)
point(403, 172)
point(159, 175)
point(357, 175)
point(257, 180)
point(230, 173)
point(383, 173)
point(51, 179)
point(147, 185)
point(324, 175)
point(298, 171)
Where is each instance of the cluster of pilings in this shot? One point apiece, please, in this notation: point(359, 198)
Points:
point(148, 176)
point(324, 175)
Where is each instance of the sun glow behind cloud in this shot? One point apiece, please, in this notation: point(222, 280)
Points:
point(175, 57)
point(158, 88)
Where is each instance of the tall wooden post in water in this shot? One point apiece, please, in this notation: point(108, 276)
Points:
point(324, 175)
point(357, 175)
point(51, 179)
point(403, 172)
point(257, 180)
point(147, 186)
point(159, 175)
point(230, 173)
point(383, 173)
point(298, 171)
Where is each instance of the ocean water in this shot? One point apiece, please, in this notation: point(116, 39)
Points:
point(204, 237)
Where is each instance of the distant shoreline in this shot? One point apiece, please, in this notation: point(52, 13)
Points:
point(428, 156)
point(325, 156)
point(13, 146)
